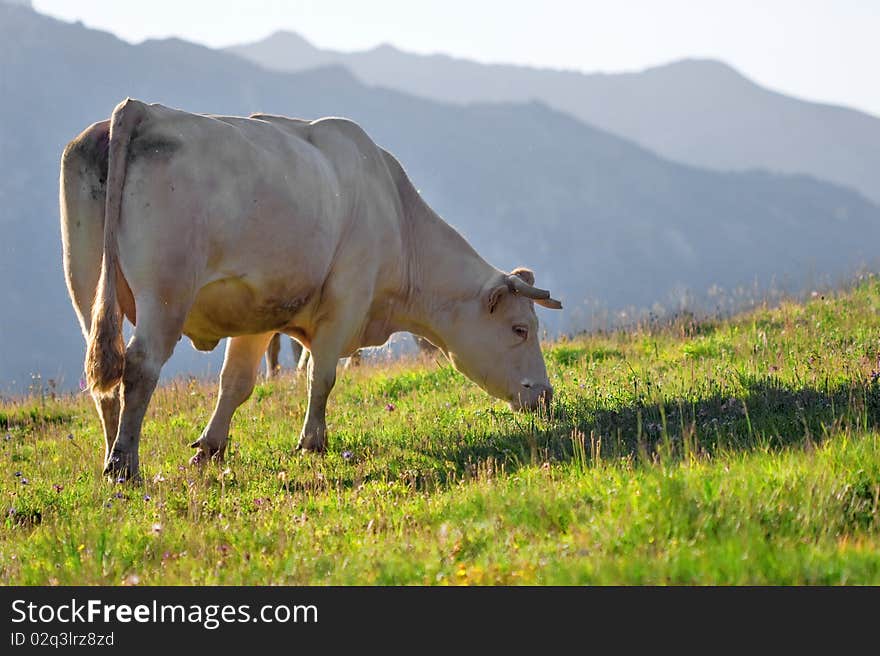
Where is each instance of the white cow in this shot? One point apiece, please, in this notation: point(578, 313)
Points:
point(225, 226)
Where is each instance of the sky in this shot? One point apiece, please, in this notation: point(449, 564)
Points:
point(823, 50)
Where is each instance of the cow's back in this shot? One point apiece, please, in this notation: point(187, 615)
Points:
point(254, 215)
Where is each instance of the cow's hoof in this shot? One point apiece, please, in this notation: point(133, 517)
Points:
point(121, 467)
point(311, 445)
point(206, 453)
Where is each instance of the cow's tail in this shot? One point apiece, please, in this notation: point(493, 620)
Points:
point(105, 354)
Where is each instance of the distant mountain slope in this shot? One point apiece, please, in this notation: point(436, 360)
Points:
point(601, 220)
point(698, 112)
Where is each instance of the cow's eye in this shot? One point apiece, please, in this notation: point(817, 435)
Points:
point(521, 331)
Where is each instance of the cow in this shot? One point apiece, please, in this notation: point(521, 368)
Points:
point(216, 226)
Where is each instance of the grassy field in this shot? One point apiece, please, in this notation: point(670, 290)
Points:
point(743, 451)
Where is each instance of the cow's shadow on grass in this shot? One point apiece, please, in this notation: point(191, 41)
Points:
point(768, 415)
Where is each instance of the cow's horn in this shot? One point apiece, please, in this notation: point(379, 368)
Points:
point(540, 296)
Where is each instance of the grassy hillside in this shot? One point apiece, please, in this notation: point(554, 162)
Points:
point(735, 452)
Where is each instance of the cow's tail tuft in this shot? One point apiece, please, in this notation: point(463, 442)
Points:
point(105, 353)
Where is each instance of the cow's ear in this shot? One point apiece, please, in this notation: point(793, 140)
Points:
point(526, 274)
point(495, 296)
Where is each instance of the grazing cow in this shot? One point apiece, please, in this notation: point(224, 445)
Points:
point(225, 226)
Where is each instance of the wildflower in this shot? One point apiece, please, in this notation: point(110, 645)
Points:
point(24, 481)
point(57, 487)
point(18, 474)
point(346, 455)
point(131, 579)
point(390, 407)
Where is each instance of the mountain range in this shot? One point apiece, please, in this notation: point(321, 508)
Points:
point(695, 111)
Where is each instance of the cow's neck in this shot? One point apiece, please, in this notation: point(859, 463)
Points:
point(443, 271)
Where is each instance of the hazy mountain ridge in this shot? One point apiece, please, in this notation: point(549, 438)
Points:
point(596, 216)
point(696, 111)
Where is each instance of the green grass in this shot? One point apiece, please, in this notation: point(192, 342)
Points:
point(727, 452)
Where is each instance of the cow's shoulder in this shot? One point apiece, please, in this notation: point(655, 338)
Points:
point(345, 142)
point(322, 132)
point(341, 127)
point(293, 126)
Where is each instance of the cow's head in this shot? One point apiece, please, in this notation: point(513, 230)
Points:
point(494, 340)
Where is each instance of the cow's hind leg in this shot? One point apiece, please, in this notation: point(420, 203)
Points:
point(272, 352)
point(108, 408)
point(83, 178)
point(240, 369)
point(154, 338)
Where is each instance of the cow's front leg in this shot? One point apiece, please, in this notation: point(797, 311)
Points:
point(321, 377)
point(241, 367)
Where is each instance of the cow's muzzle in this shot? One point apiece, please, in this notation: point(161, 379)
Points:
point(532, 396)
